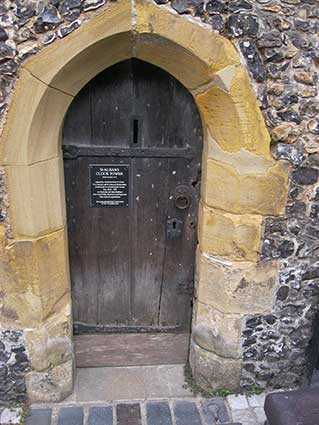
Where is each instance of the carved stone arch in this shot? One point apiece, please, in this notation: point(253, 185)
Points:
point(240, 185)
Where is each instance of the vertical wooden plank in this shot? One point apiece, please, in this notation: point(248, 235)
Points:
point(83, 263)
point(151, 90)
point(178, 268)
point(148, 239)
point(112, 102)
point(77, 123)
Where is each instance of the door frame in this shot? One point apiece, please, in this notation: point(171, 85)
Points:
point(235, 195)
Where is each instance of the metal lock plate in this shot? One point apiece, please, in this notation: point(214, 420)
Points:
point(174, 228)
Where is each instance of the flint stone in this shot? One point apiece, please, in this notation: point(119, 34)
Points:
point(9, 68)
point(310, 108)
point(305, 175)
point(290, 116)
point(299, 41)
point(3, 35)
point(243, 25)
point(313, 161)
point(25, 9)
point(94, 4)
point(181, 6)
point(49, 18)
point(282, 293)
point(271, 54)
point(288, 152)
point(302, 25)
point(3, 10)
point(64, 31)
point(253, 322)
point(277, 70)
point(239, 5)
point(215, 7)
point(6, 52)
point(70, 9)
point(270, 39)
point(277, 249)
point(311, 273)
point(297, 209)
point(313, 126)
point(253, 58)
point(49, 38)
point(217, 22)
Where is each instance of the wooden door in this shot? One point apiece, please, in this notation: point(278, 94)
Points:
point(132, 143)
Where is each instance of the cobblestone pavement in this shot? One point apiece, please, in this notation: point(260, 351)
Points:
point(233, 410)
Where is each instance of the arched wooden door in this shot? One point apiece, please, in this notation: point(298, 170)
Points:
point(132, 143)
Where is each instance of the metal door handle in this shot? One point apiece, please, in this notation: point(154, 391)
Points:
point(182, 197)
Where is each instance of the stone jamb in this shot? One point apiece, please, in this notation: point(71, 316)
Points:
point(240, 182)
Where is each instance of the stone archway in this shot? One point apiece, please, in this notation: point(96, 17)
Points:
point(240, 185)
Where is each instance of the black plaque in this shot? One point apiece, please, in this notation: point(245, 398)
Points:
point(109, 185)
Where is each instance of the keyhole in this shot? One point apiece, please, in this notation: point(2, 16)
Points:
point(174, 224)
point(135, 131)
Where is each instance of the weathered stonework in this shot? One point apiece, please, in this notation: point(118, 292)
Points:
point(213, 372)
point(257, 277)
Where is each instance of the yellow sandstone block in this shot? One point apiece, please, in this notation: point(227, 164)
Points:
point(34, 122)
point(214, 372)
point(232, 114)
point(264, 193)
point(50, 344)
point(34, 279)
point(36, 195)
point(235, 287)
point(233, 236)
point(217, 332)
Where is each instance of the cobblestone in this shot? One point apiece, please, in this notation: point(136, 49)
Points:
point(233, 410)
point(39, 417)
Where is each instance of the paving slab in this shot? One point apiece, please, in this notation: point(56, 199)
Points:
point(260, 413)
point(39, 417)
point(127, 383)
point(245, 416)
point(158, 413)
point(100, 415)
point(186, 413)
point(92, 384)
point(156, 383)
point(256, 400)
point(237, 402)
point(215, 410)
point(174, 375)
point(128, 414)
point(70, 416)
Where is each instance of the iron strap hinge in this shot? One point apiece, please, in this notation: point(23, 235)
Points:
point(74, 152)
